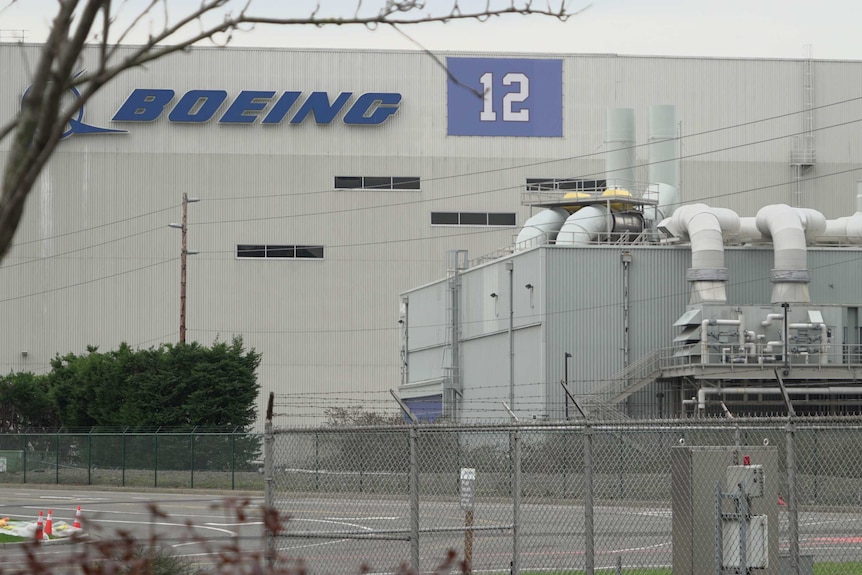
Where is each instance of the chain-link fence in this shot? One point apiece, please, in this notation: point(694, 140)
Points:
point(630, 497)
point(198, 458)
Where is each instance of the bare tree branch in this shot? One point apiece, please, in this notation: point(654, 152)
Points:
point(45, 110)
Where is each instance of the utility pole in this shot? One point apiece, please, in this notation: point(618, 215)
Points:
point(566, 358)
point(184, 252)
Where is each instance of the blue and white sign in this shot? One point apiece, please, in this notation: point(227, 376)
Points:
point(505, 97)
point(249, 106)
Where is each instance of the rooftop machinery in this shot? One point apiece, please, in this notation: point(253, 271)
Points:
point(787, 331)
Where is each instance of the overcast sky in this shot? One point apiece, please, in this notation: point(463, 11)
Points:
point(732, 28)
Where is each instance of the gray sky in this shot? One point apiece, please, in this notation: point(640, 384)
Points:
point(732, 28)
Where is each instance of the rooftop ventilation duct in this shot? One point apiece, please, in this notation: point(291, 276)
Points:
point(790, 229)
point(584, 226)
point(847, 229)
point(705, 227)
point(541, 228)
point(620, 148)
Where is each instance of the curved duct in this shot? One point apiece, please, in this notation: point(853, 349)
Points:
point(847, 229)
point(583, 226)
point(620, 148)
point(541, 228)
point(667, 201)
point(790, 229)
point(705, 228)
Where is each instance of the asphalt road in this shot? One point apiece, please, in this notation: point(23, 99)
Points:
point(198, 525)
point(345, 534)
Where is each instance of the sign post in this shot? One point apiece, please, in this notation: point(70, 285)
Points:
point(468, 493)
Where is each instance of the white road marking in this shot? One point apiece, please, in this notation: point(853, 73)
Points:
point(235, 524)
point(228, 532)
point(360, 518)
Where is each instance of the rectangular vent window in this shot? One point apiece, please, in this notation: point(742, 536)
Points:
point(472, 219)
point(279, 252)
point(377, 182)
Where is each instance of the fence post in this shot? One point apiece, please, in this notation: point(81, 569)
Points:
point(233, 459)
point(515, 443)
point(156, 458)
point(269, 481)
point(589, 534)
point(24, 455)
point(414, 499)
point(192, 448)
point(90, 457)
point(316, 461)
point(792, 508)
point(123, 456)
point(57, 461)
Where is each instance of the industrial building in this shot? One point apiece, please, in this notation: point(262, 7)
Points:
point(332, 184)
point(663, 308)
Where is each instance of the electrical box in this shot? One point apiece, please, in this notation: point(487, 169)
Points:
point(756, 534)
point(749, 476)
point(705, 520)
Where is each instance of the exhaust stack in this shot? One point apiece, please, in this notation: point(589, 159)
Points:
point(620, 148)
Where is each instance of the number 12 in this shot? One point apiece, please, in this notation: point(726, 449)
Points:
point(488, 114)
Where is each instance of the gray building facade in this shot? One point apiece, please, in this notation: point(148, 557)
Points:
point(331, 182)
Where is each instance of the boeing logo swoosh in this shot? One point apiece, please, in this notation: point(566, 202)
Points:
point(76, 124)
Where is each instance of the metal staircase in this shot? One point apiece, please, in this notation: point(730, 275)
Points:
point(603, 402)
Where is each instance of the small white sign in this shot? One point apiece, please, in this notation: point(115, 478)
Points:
point(2, 465)
point(468, 485)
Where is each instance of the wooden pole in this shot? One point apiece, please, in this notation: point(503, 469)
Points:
point(468, 543)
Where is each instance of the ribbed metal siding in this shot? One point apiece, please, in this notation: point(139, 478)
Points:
point(332, 325)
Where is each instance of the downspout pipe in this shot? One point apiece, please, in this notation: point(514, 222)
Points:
point(790, 229)
point(541, 228)
point(584, 226)
point(705, 228)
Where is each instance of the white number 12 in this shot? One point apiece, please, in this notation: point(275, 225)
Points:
point(488, 114)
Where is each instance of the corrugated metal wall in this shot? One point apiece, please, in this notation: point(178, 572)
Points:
point(95, 264)
point(579, 294)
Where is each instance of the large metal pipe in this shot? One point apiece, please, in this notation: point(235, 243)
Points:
point(705, 227)
point(847, 229)
point(541, 228)
point(620, 148)
point(584, 226)
point(790, 229)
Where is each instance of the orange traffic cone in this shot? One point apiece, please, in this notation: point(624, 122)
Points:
point(49, 523)
point(39, 534)
point(77, 523)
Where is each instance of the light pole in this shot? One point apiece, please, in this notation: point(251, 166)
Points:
point(566, 377)
point(786, 307)
point(184, 252)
